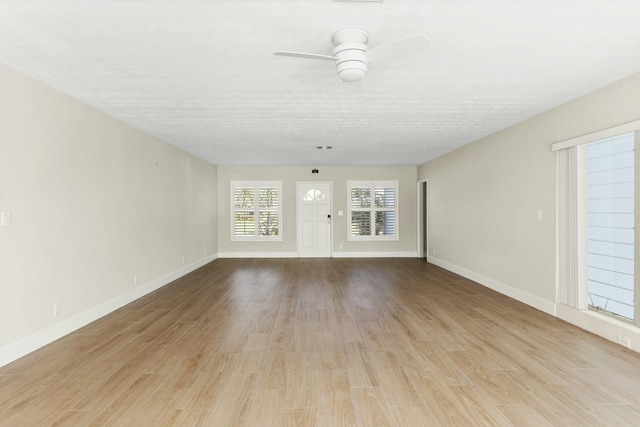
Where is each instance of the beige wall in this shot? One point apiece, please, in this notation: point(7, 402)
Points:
point(290, 175)
point(483, 198)
point(93, 203)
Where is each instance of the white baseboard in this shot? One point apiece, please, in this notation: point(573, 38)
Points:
point(26, 345)
point(602, 325)
point(410, 254)
point(517, 294)
point(257, 255)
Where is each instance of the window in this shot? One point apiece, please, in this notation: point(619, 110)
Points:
point(256, 210)
point(597, 238)
point(373, 210)
point(313, 195)
point(610, 224)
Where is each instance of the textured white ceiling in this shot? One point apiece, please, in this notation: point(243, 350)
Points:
point(201, 74)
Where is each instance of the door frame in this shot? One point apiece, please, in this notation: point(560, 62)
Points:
point(422, 215)
point(298, 235)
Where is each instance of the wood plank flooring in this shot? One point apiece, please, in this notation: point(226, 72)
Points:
point(324, 342)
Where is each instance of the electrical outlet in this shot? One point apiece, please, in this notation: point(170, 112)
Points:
point(57, 310)
point(135, 279)
point(624, 341)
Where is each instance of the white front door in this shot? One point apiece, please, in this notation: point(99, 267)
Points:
point(314, 219)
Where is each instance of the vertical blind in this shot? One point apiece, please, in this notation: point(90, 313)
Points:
point(570, 291)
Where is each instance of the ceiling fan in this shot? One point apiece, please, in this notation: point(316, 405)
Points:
point(351, 54)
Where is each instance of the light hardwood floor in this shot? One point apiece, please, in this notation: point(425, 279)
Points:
point(324, 342)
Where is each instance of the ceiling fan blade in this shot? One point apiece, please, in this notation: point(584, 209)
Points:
point(305, 55)
point(399, 48)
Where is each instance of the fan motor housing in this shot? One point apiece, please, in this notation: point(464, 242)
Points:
point(351, 64)
point(350, 46)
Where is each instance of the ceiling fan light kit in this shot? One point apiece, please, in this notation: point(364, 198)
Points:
point(351, 53)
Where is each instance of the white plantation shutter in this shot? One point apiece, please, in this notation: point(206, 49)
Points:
point(385, 223)
point(360, 204)
point(385, 215)
point(361, 223)
point(244, 211)
point(373, 210)
point(269, 210)
point(257, 210)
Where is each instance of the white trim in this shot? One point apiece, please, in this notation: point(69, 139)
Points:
point(406, 254)
point(517, 294)
point(341, 254)
point(28, 344)
point(258, 254)
point(606, 133)
point(601, 325)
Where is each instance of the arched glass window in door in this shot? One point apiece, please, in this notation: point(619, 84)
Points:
point(314, 194)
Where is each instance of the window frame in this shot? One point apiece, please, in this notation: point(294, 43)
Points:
point(372, 185)
point(255, 185)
